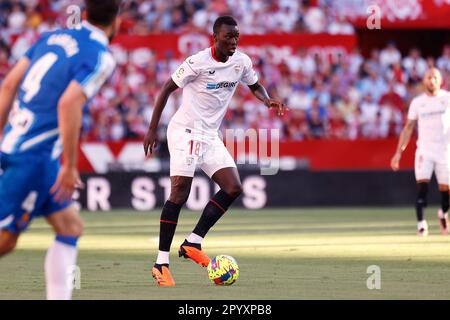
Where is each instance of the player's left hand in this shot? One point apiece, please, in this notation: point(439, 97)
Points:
point(395, 161)
point(67, 181)
point(150, 141)
point(280, 106)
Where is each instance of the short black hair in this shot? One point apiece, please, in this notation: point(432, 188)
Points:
point(228, 20)
point(102, 12)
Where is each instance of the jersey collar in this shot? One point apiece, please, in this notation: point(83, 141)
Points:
point(438, 94)
point(217, 60)
point(96, 33)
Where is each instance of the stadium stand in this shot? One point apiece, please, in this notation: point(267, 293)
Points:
point(349, 98)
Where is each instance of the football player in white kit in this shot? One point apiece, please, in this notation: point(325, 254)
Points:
point(431, 111)
point(209, 79)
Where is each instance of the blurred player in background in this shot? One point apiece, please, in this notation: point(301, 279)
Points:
point(209, 79)
point(431, 111)
point(54, 81)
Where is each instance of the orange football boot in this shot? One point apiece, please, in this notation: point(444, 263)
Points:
point(194, 252)
point(161, 274)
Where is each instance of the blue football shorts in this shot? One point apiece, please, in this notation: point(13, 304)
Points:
point(25, 183)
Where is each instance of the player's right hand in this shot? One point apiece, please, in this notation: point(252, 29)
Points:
point(395, 162)
point(67, 181)
point(150, 141)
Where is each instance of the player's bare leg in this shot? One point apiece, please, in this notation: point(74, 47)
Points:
point(443, 210)
point(179, 193)
point(421, 203)
point(229, 181)
point(8, 241)
point(230, 189)
point(67, 222)
point(61, 257)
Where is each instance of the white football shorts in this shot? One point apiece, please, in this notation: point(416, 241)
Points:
point(426, 162)
point(189, 149)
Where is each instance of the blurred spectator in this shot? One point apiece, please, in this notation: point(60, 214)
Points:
point(317, 117)
point(392, 111)
point(355, 60)
point(341, 26)
point(337, 126)
point(300, 99)
point(302, 62)
point(392, 98)
point(390, 55)
point(373, 84)
point(117, 128)
point(373, 64)
point(345, 76)
point(414, 64)
point(369, 116)
point(397, 73)
point(297, 126)
point(443, 63)
point(346, 108)
point(17, 19)
point(315, 19)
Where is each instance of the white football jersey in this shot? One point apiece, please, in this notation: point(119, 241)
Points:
point(208, 86)
point(433, 119)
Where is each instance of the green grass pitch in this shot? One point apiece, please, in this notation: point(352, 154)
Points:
point(282, 254)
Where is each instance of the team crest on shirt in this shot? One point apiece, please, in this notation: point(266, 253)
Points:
point(189, 160)
point(180, 72)
point(237, 68)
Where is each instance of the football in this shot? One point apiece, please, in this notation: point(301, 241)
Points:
point(223, 270)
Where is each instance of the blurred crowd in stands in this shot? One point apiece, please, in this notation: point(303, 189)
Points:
point(179, 16)
point(347, 97)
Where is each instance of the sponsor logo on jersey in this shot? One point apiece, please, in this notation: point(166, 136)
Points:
point(432, 113)
point(224, 84)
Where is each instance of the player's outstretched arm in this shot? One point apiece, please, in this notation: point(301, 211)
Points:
point(9, 88)
point(150, 140)
point(260, 92)
point(403, 141)
point(70, 111)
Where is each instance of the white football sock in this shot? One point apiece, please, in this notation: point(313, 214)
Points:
point(194, 238)
point(163, 257)
point(60, 261)
point(422, 225)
